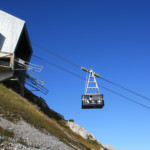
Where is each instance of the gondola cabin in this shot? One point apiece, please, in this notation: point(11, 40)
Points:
point(92, 101)
point(95, 99)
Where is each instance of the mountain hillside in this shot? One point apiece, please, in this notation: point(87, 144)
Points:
point(28, 123)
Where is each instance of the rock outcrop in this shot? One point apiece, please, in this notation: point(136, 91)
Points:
point(110, 147)
point(85, 134)
point(80, 130)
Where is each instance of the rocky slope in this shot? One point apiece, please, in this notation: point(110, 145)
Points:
point(28, 137)
point(25, 125)
point(80, 130)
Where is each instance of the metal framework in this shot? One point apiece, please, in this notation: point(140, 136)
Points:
point(28, 66)
point(31, 78)
point(91, 82)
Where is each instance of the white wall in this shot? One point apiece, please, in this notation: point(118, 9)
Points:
point(10, 30)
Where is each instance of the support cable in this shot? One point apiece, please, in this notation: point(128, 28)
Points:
point(125, 97)
point(61, 68)
point(53, 54)
point(77, 66)
point(124, 88)
point(107, 89)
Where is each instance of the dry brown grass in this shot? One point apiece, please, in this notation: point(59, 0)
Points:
point(14, 107)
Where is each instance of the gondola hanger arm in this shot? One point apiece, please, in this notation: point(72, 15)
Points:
point(90, 71)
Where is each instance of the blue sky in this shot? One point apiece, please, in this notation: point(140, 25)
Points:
point(111, 37)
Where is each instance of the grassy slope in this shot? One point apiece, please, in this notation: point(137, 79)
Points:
point(14, 107)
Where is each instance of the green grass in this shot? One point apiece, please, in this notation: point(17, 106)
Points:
point(6, 133)
point(37, 147)
point(14, 107)
point(22, 142)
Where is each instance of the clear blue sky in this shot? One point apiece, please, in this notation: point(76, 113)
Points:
point(113, 38)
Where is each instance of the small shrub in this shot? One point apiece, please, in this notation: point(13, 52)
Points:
point(7, 133)
point(37, 147)
point(91, 137)
point(94, 142)
point(71, 120)
point(22, 142)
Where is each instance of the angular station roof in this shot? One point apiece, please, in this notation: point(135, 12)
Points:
point(11, 29)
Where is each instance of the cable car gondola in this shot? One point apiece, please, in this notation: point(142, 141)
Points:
point(92, 100)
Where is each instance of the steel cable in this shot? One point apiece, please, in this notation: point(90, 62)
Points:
point(122, 87)
point(55, 55)
point(77, 66)
point(107, 89)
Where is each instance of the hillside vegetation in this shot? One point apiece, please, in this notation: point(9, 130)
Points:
point(15, 108)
